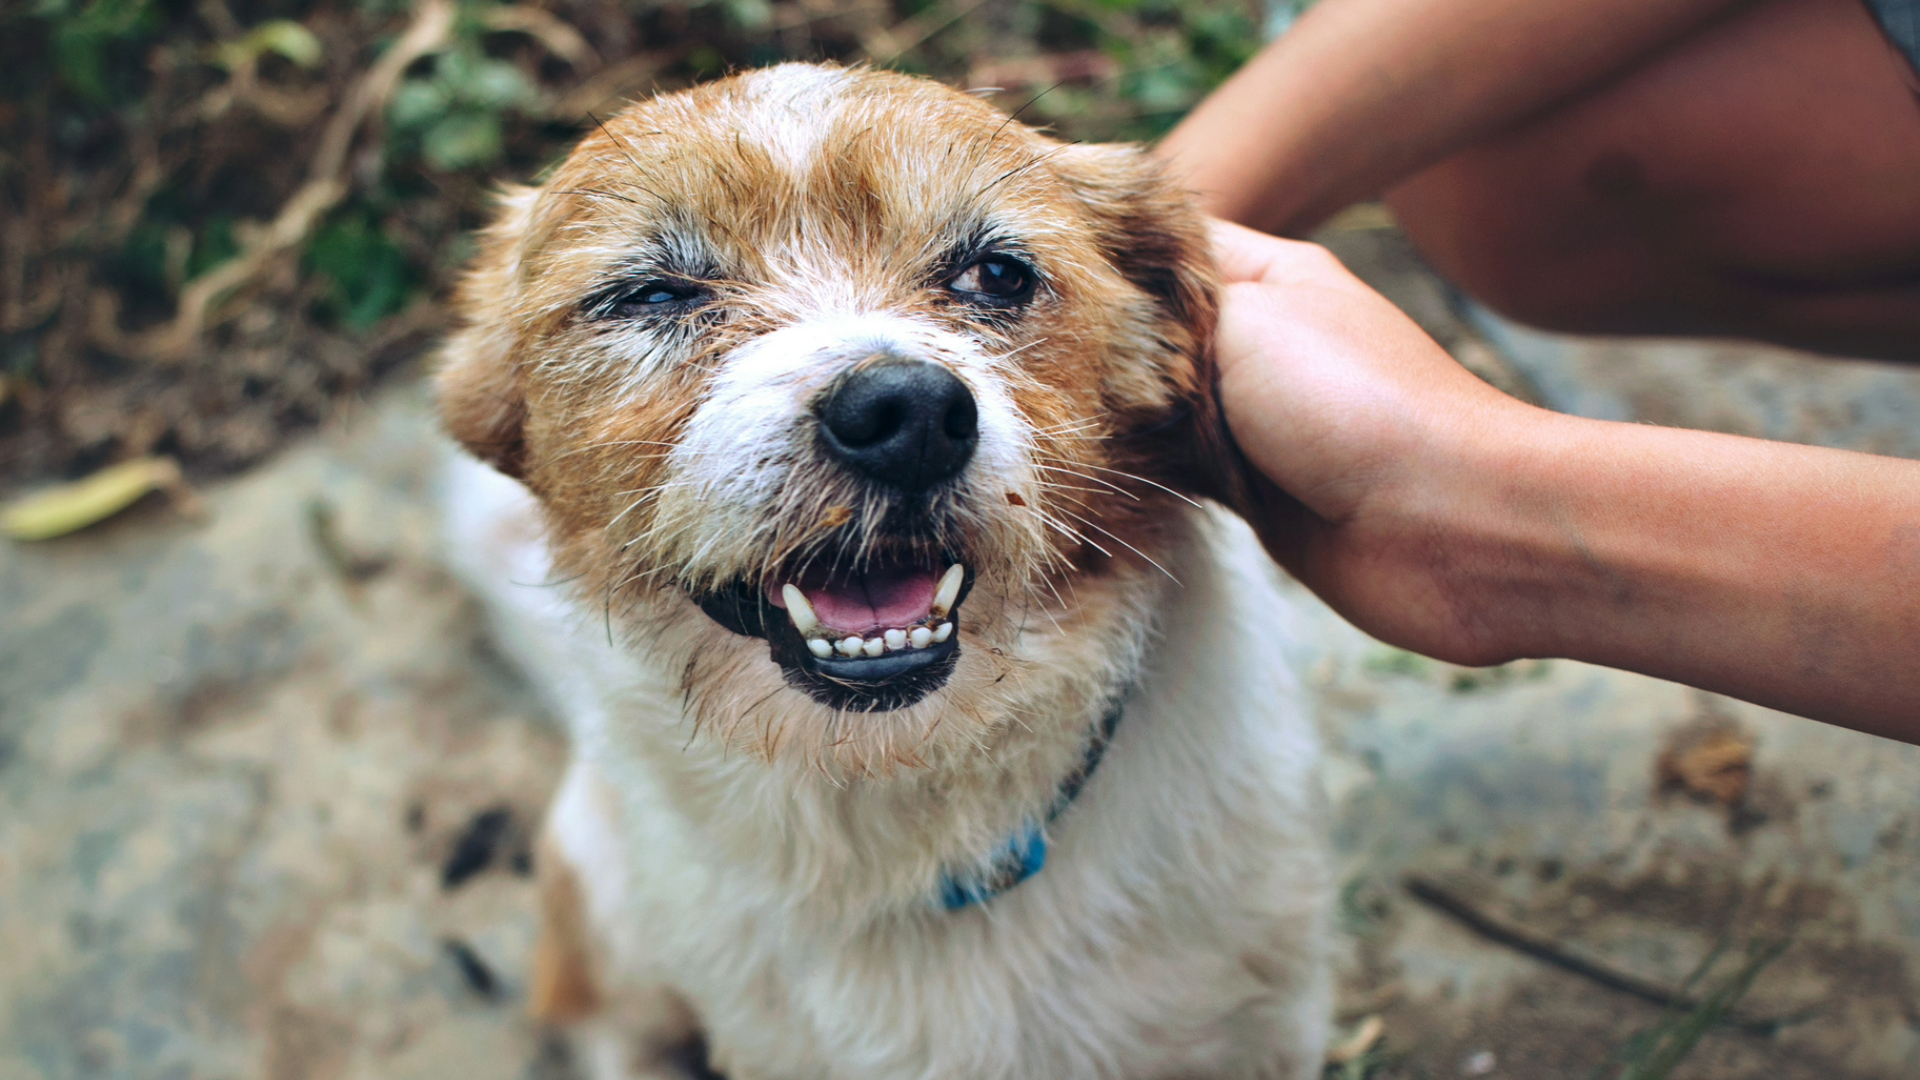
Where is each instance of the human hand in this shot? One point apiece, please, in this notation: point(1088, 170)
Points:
point(1442, 516)
point(1379, 451)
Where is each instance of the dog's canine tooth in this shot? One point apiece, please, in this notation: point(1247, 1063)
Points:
point(944, 632)
point(850, 646)
point(798, 609)
point(896, 639)
point(948, 591)
point(820, 647)
point(875, 646)
point(920, 637)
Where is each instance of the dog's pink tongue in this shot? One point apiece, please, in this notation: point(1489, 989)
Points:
point(882, 598)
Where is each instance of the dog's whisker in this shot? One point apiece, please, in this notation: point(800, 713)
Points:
point(593, 194)
point(1017, 350)
point(1071, 429)
point(1122, 542)
point(1144, 480)
point(1109, 485)
point(1061, 492)
point(1044, 610)
point(1065, 531)
point(631, 507)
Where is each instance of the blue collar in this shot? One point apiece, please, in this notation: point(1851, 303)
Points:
point(1025, 852)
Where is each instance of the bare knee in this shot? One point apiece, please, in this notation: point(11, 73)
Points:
point(1752, 180)
point(1535, 251)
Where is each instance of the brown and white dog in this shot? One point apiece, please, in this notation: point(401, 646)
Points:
point(923, 725)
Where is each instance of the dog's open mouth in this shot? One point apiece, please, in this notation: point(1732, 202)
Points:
point(879, 637)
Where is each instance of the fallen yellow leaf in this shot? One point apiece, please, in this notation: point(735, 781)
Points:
point(58, 511)
point(1359, 1042)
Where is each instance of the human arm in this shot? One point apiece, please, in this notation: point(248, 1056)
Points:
point(1361, 93)
point(1441, 516)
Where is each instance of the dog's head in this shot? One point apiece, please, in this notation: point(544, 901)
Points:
point(841, 391)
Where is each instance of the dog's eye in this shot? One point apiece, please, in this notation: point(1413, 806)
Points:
point(656, 296)
point(996, 279)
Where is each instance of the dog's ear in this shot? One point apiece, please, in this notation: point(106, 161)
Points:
point(1152, 232)
point(482, 401)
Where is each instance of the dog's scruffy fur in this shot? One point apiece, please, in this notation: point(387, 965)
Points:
point(748, 849)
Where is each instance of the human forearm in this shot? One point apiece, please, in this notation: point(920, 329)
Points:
point(1784, 575)
point(1442, 516)
point(1363, 92)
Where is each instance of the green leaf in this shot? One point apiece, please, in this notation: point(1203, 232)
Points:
point(1654, 1054)
point(368, 274)
point(751, 14)
point(1164, 88)
point(417, 103)
point(462, 140)
point(289, 39)
point(282, 36)
point(497, 84)
point(214, 245)
point(85, 41)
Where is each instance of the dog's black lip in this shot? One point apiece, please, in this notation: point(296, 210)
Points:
point(889, 681)
point(881, 683)
point(883, 668)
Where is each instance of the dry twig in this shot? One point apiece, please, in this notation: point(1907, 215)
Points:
point(558, 35)
point(1514, 936)
point(201, 301)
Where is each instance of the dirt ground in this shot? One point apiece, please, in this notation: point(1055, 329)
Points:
point(265, 788)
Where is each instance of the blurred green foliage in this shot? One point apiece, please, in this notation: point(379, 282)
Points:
point(92, 39)
point(456, 112)
point(1655, 1053)
point(452, 116)
point(367, 276)
point(280, 36)
point(142, 142)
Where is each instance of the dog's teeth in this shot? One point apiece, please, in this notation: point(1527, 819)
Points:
point(820, 647)
point(850, 646)
point(896, 639)
point(948, 590)
point(944, 632)
point(921, 637)
point(875, 646)
point(799, 610)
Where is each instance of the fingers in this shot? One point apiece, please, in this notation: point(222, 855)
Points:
point(1245, 255)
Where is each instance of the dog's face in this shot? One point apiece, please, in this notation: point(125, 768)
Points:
point(843, 393)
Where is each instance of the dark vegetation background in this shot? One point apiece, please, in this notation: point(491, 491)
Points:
point(221, 221)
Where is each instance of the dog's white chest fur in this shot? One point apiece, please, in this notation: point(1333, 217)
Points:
point(1178, 928)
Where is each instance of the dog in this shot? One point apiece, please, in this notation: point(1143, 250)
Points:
point(845, 469)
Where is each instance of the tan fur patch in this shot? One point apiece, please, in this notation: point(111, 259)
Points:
point(563, 989)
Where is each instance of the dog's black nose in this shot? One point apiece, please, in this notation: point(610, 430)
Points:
point(907, 423)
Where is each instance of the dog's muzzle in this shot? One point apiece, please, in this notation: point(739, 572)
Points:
point(883, 634)
point(867, 640)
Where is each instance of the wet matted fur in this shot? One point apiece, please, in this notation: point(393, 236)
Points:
point(750, 848)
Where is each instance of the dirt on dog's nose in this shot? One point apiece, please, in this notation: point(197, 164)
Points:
point(909, 424)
